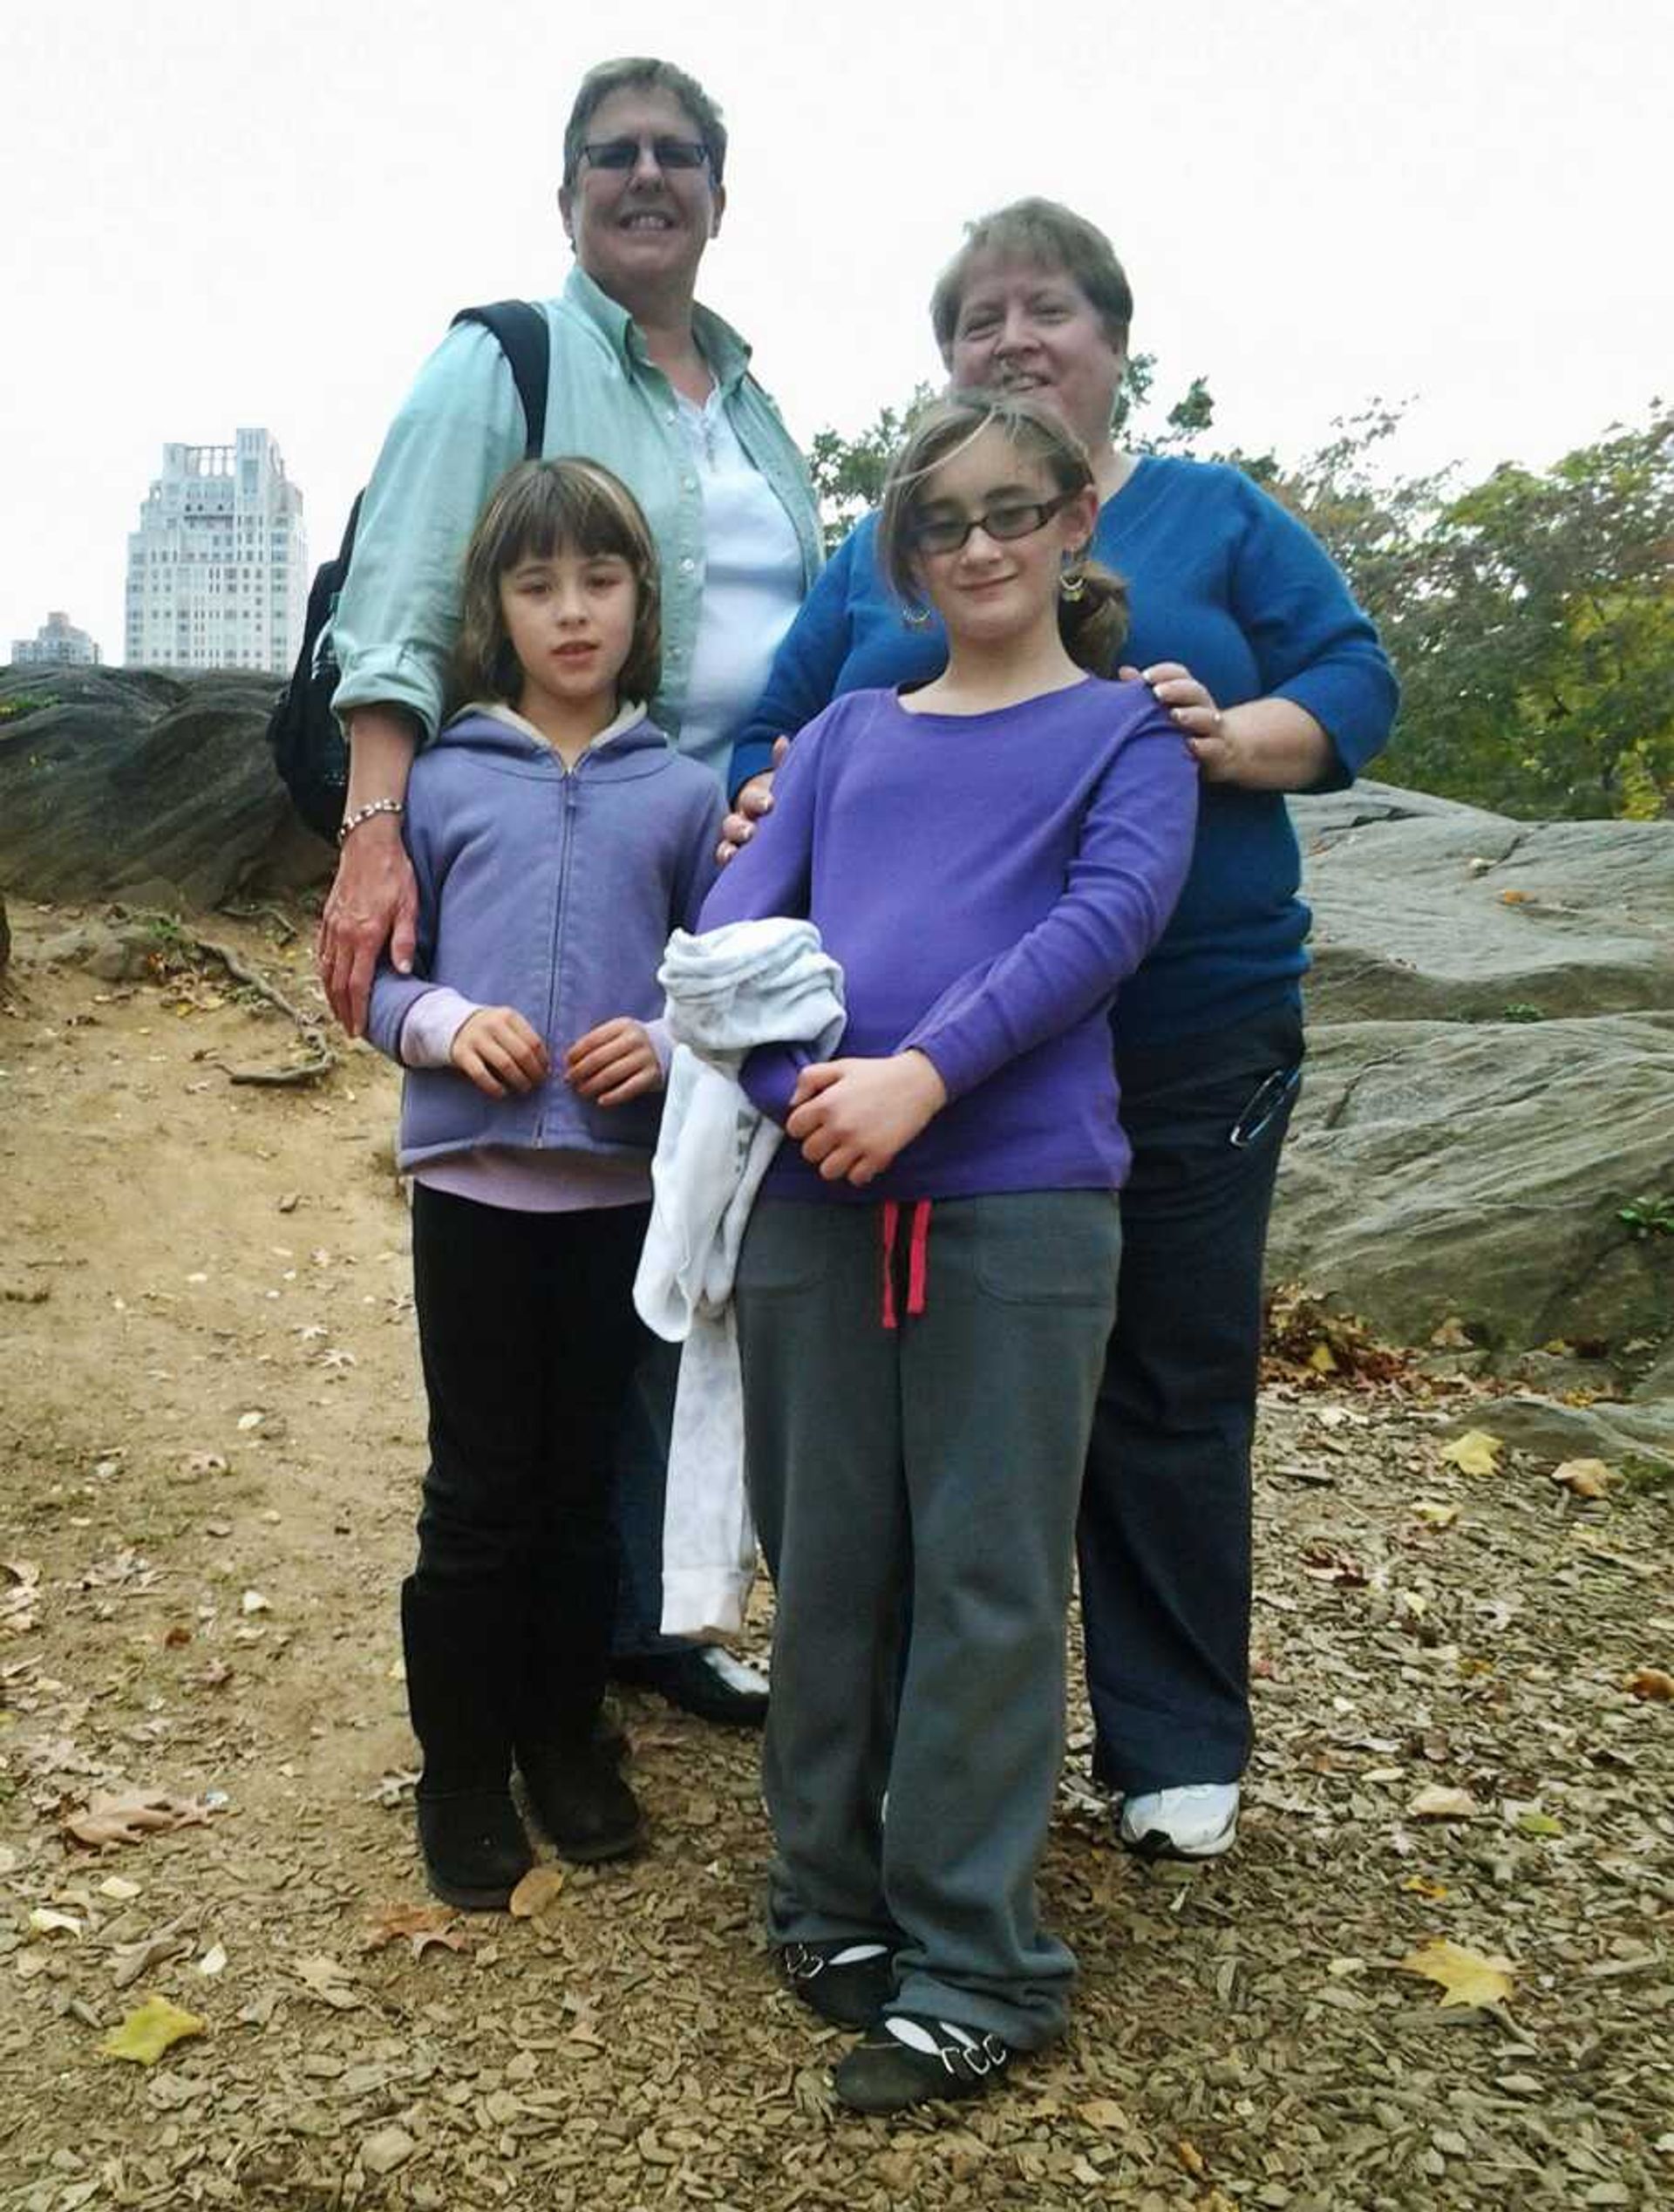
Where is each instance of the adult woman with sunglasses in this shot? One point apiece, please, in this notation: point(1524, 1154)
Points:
point(653, 385)
point(1245, 629)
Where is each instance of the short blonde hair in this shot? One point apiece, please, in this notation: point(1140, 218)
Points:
point(537, 509)
point(1056, 237)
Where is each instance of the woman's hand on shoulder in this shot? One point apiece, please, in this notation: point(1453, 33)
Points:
point(499, 1050)
point(373, 903)
point(852, 1117)
point(755, 798)
point(1191, 707)
point(614, 1063)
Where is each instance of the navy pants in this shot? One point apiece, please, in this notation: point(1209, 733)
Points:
point(1164, 1537)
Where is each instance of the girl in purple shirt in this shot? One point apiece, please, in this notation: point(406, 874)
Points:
point(927, 1281)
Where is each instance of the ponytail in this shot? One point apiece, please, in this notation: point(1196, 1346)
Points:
point(1093, 625)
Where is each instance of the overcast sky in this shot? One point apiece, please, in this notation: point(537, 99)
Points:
point(266, 215)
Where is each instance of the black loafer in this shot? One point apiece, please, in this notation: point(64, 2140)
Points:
point(850, 1992)
point(474, 1849)
point(884, 2073)
point(702, 1680)
point(581, 1802)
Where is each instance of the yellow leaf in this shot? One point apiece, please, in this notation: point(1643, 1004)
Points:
point(1583, 1478)
point(1420, 1885)
point(1434, 1514)
point(1475, 1452)
point(1451, 1335)
point(1323, 1360)
point(1466, 1976)
point(149, 2031)
point(1537, 1823)
point(1192, 2159)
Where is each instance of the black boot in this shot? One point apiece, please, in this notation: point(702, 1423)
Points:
point(461, 1654)
point(568, 1759)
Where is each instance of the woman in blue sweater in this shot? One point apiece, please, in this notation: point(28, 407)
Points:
point(1246, 631)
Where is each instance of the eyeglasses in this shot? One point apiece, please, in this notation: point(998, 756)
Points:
point(667, 153)
point(1010, 518)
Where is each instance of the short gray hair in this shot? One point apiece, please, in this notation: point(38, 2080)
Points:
point(642, 73)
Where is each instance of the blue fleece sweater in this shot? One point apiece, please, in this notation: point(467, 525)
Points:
point(1222, 579)
point(552, 890)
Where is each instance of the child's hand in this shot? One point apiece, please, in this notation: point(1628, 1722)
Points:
point(852, 1117)
point(614, 1063)
point(499, 1050)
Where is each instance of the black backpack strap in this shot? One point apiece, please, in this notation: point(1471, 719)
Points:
point(522, 334)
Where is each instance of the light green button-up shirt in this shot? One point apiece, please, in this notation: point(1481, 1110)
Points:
point(461, 427)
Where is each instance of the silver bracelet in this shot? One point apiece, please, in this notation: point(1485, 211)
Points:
point(351, 822)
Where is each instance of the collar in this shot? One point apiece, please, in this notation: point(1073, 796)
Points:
point(630, 715)
point(724, 351)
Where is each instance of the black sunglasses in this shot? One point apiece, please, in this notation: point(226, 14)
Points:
point(667, 153)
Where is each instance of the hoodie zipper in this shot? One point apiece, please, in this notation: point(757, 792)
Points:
point(560, 915)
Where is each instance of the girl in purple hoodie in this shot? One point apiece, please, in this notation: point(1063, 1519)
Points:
point(557, 838)
point(927, 1281)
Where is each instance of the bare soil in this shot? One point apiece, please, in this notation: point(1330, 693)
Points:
point(210, 1446)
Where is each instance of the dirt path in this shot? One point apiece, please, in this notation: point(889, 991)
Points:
point(210, 1445)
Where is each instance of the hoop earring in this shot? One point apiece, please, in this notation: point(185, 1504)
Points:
point(1072, 584)
point(915, 617)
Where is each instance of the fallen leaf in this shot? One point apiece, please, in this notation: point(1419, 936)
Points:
point(1514, 898)
point(115, 1886)
point(1451, 1336)
point(1652, 1684)
point(1420, 1885)
point(47, 1923)
point(1433, 1514)
point(1466, 1976)
point(130, 1960)
point(1103, 2112)
point(251, 1420)
point(1537, 1823)
point(149, 2031)
point(329, 1981)
point(1475, 1452)
point(253, 1602)
point(1322, 1359)
point(213, 1960)
point(1437, 1802)
point(418, 1925)
point(388, 2149)
point(536, 1893)
point(1192, 2159)
point(128, 1816)
point(1583, 1478)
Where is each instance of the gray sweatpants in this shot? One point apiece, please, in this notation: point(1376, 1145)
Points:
point(920, 1483)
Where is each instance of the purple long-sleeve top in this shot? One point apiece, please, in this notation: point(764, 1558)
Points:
point(986, 882)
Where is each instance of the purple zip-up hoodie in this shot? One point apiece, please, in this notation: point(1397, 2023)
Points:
point(553, 890)
point(985, 882)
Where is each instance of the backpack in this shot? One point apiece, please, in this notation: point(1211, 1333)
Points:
point(308, 748)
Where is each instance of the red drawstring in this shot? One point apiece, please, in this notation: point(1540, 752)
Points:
point(918, 1258)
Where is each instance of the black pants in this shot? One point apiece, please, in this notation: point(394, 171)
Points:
point(529, 1336)
point(1164, 1538)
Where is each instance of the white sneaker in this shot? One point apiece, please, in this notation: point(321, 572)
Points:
point(1199, 1821)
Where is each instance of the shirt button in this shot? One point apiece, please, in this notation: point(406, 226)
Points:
point(688, 563)
point(691, 484)
point(671, 415)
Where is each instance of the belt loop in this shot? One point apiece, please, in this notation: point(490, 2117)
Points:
point(918, 1257)
point(889, 1226)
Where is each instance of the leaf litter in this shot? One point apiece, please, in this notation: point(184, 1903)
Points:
point(635, 2019)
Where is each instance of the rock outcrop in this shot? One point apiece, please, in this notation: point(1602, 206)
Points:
point(1491, 1077)
point(157, 790)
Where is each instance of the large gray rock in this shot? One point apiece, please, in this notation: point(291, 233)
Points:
point(1475, 1170)
point(157, 789)
point(1450, 914)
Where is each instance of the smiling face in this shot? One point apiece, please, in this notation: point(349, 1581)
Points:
point(997, 591)
point(640, 232)
point(570, 617)
point(1026, 326)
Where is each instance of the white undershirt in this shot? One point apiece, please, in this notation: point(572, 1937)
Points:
point(752, 585)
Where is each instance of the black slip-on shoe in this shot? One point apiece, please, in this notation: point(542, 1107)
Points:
point(702, 1680)
point(847, 1984)
point(909, 2058)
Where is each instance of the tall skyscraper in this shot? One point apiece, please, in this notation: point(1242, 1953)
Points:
point(57, 643)
point(218, 569)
